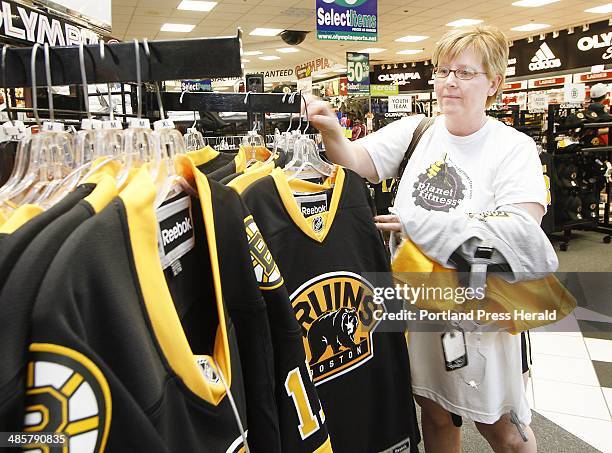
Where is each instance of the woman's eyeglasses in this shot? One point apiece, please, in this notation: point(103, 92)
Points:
point(463, 74)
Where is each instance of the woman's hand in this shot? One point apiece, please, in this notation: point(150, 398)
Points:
point(321, 115)
point(388, 223)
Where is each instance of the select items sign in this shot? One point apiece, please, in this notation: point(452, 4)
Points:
point(401, 103)
point(358, 73)
point(196, 85)
point(347, 20)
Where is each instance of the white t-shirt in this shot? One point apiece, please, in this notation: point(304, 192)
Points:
point(493, 167)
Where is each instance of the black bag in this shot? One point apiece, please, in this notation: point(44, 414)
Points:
point(416, 136)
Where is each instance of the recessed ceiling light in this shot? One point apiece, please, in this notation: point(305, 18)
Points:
point(179, 28)
point(411, 38)
point(603, 9)
point(533, 3)
point(409, 51)
point(463, 22)
point(266, 32)
point(288, 50)
point(269, 57)
point(252, 52)
point(530, 27)
point(192, 5)
point(372, 50)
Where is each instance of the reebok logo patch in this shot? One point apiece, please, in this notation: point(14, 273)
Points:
point(312, 204)
point(175, 235)
point(178, 230)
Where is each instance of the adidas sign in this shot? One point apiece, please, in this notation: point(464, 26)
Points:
point(544, 59)
point(179, 229)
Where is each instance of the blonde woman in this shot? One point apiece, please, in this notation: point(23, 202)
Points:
point(471, 182)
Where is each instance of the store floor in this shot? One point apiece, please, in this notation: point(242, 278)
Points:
point(570, 389)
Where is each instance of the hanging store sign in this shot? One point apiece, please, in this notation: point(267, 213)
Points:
point(406, 79)
point(315, 66)
point(574, 93)
point(384, 90)
point(343, 87)
point(401, 103)
point(597, 76)
point(358, 72)
point(538, 102)
point(515, 86)
point(28, 25)
point(582, 48)
point(547, 82)
point(347, 20)
point(196, 85)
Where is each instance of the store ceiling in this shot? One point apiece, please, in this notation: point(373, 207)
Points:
point(396, 18)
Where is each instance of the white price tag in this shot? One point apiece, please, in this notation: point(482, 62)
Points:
point(538, 102)
point(91, 125)
point(574, 92)
point(163, 124)
point(49, 126)
point(113, 124)
point(139, 122)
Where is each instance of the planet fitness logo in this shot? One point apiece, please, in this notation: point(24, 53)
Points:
point(441, 188)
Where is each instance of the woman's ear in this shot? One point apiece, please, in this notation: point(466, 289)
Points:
point(494, 85)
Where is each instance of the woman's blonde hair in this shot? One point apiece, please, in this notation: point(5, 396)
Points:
point(488, 42)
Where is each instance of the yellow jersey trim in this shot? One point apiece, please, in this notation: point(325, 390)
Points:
point(138, 197)
point(286, 188)
point(202, 155)
point(19, 217)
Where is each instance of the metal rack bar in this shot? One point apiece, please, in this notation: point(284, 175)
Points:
point(169, 60)
point(226, 102)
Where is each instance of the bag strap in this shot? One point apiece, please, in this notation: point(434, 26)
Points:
point(416, 136)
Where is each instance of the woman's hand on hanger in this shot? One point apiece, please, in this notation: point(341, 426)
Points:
point(388, 223)
point(321, 115)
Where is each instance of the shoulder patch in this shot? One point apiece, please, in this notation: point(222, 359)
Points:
point(68, 394)
point(266, 271)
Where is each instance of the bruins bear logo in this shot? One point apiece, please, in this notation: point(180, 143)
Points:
point(336, 329)
point(336, 313)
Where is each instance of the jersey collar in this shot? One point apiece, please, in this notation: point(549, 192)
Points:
point(286, 188)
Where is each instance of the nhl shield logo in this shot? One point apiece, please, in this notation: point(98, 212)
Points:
point(317, 224)
point(335, 313)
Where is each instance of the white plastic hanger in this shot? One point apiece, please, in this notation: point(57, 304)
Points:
point(193, 139)
point(306, 155)
point(140, 145)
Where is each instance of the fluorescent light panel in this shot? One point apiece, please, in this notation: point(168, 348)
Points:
point(603, 9)
point(193, 5)
point(533, 3)
point(409, 51)
point(288, 50)
point(252, 52)
point(463, 22)
point(269, 57)
point(178, 28)
point(266, 31)
point(530, 27)
point(411, 38)
point(372, 50)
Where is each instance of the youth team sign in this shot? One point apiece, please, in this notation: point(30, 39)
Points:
point(347, 20)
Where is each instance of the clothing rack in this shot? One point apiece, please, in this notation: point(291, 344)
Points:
point(116, 62)
point(227, 102)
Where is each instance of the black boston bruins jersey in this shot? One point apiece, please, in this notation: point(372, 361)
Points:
point(208, 160)
point(132, 345)
point(19, 293)
point(323, 241)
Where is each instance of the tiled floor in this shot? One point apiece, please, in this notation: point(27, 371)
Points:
point(571, 381)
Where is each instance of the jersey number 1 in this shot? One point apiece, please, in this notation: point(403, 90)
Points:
point(294, 385)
